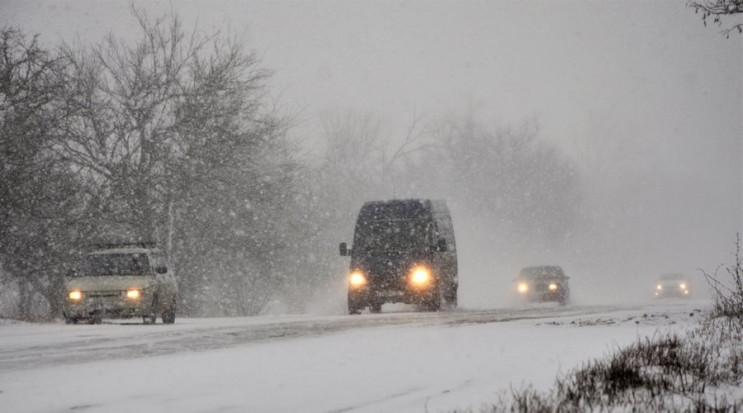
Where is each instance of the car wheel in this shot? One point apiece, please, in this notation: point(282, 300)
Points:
point(168, 315)
point(434, 302)
point(375, 308)
point(70, 320)
point(450, 298)
point(433, 305)
point(355, 304)
point(353, 307)
point(149, 319)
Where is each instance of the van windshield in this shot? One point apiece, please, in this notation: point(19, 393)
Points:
point(392, 235)
point(95, 265)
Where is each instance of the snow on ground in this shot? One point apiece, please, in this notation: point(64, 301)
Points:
point(391, 368)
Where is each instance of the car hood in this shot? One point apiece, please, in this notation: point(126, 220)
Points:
point(539, 280)
point(672, 283)
point(110, 283)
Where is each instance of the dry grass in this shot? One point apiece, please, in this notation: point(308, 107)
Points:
point(698, 371)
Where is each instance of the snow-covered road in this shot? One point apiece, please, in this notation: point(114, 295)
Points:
point(404, 361)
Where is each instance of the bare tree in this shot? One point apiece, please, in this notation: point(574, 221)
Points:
point(728, 293)
point(37, 194)
point(146, 119)
point(716, 9)
point(174, 142)
point(510, 177)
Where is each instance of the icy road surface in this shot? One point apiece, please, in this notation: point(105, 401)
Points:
point(389, 362)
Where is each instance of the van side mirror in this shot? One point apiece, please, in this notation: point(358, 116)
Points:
point(161, 270)
point(441, 245)
point(343, 248)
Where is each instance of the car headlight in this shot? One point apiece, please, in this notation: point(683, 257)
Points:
point(75, 295)
point(552, 287)
point(522, 287)
point(660, 287)
point(683, 286)
point(420, 276)
point(356, 279)
point(134, 294)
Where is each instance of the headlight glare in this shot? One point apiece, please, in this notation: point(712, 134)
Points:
point(420, 275)
point(553, 286)
point(660, 287)
point(683, 286)
point(75, 295)
point(133, 294)
point(356, 279)
point(522, 287)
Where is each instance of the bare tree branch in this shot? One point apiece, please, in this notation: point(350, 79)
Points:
point(715, 9)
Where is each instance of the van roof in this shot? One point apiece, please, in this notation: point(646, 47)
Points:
point(122, 250)
point(396, 209)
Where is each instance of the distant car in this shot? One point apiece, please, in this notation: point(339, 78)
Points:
point(672, 285)
point(543, 284)
point(121, 281)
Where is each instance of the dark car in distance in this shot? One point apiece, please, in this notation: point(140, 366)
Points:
point(543, 284)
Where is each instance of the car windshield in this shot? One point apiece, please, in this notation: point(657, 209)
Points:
point(542, 273)
point(392, 235)
point(95, 265)
point(671, 277)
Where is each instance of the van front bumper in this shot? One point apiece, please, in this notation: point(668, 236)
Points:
point(362, 297)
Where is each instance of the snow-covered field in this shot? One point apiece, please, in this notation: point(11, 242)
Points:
point(393, 362)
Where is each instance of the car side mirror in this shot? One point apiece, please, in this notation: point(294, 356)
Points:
point(441, 245)
point(161, 270)
point(343, 248)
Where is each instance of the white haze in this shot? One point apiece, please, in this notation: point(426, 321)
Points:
point(644, 98)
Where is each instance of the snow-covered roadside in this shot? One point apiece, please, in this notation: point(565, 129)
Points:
point(388, 368)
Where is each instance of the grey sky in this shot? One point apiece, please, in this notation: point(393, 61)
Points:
point(650, 66)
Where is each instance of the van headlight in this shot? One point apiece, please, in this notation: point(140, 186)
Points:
point(420, 276)
point(75, 295)
point(357, 279)
point(552, 287)
point(522, 287)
